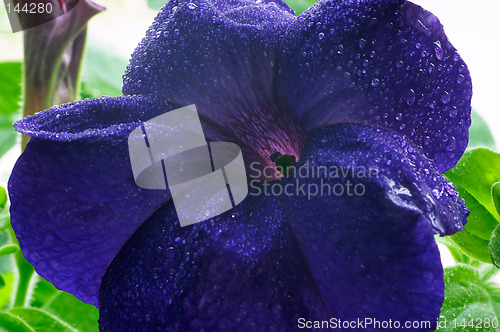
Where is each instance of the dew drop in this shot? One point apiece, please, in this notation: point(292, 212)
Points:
point(437, 192)
point(460, 78)
point(399, 64)
point(450, 188)
point(453, 112)
point(445, 98)
point(321, 35)
point(191, 6)
point(375, 82)
point(410, 97)
point(438, 50)
point(452, 144)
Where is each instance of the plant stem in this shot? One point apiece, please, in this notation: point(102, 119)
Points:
point(25, 273)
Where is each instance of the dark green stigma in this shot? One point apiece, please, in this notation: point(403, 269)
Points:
point(284, 163)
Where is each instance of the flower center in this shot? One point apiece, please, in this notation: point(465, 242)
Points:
point(284, 163)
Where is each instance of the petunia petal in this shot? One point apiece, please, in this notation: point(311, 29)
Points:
point(240, 271)
point(220, 55)
point(74, 199)
point(371, 256)
point(385, 63)
point(366, 227)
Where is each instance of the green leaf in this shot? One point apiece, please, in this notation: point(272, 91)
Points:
point(480, 225)
point(43, 293)
point(458, 255)
point(65, 306)
point(79, 315)
point(10, 97)
point(6, 290)
point(494, 247)
point(156, 4)
point(3, 198)
point(467, 297)
point(480, 133)
point(102, 72)
point(477, 171)
point(41, 321)
point(11, 323)
point(4, 212)
point(8, 249)
point(474, 177)
point(300, 5)
point(495, 192)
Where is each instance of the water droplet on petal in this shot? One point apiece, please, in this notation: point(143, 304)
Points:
point(321, 35)
point(438, 192)
point(460, 78)
point(438, 50)
point(445, 98)
point(191, 6)
point(452, 144)
point(431, 68)
point(453, 112)
point(399, 64)
point(410, 97)
point(450, 188)
point(375, 82)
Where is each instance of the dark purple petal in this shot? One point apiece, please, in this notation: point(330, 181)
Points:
point(385, 63)
point(372, 251)
point(221, 56)
point(241, 271)
point(74, 199)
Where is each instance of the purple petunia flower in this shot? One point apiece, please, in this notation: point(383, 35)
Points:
point(345, 84)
